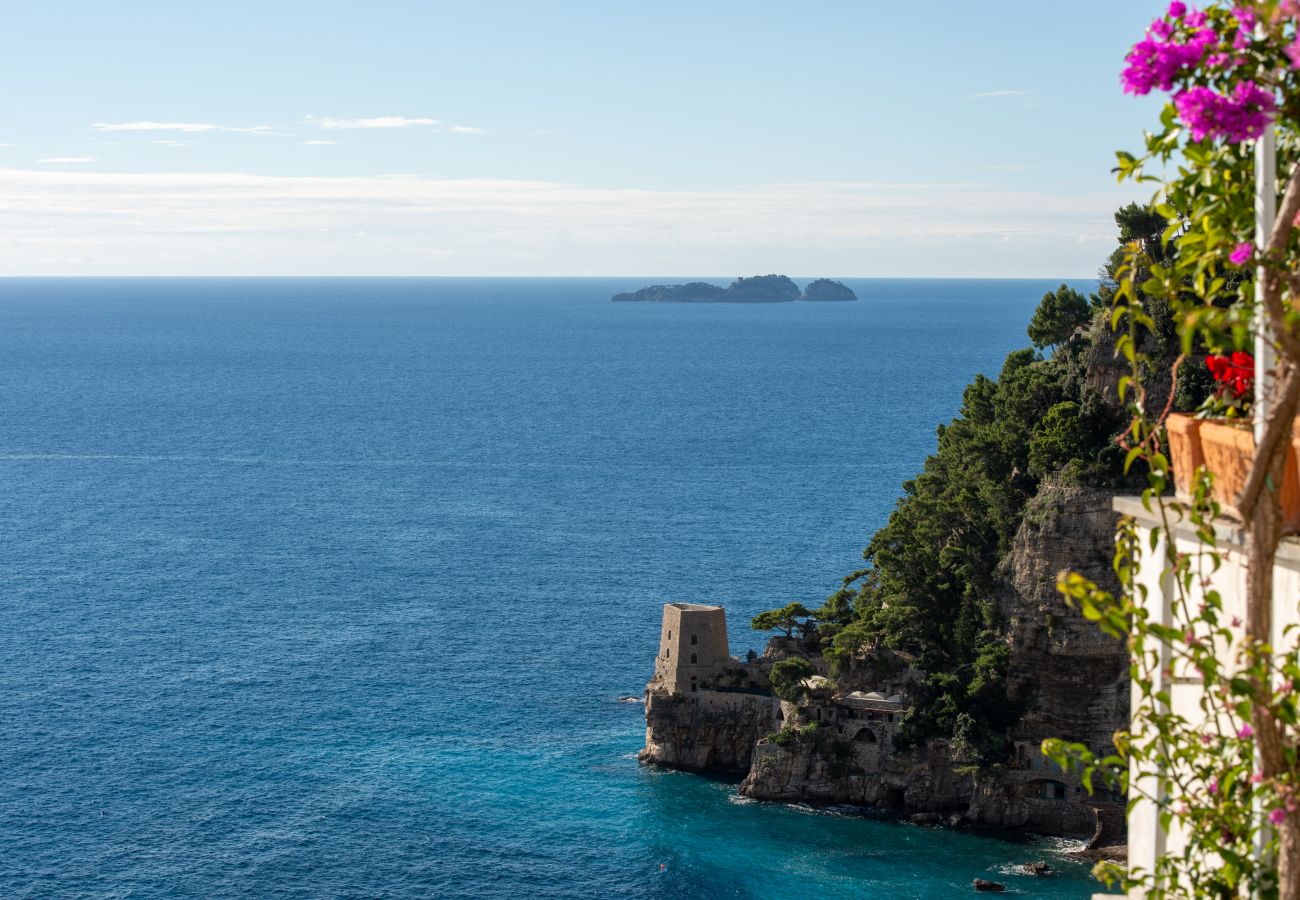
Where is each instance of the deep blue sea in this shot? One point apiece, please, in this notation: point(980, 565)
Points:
point(330, 588)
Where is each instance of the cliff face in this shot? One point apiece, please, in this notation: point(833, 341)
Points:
point(710, 731)
point(1071, 678)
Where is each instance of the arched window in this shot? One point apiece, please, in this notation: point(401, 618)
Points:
point(670, 634)
point(668, 653)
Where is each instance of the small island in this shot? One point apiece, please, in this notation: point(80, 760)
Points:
point(755, 289)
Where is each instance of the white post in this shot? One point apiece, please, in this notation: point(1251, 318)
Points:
point(1265, 213)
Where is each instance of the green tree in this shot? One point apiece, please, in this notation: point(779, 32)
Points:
point(788, 675)
point(787, 619)
point(1061, 436)
point(1058, 316)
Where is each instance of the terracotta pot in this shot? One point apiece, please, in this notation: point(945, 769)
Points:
point(1229, 450)
point(1185, 455)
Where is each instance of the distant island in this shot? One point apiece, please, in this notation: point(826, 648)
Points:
point(757, 289)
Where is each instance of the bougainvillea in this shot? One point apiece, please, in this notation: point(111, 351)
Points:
point(1226, 778)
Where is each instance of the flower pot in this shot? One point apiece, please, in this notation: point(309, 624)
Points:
point(1185, 455)
point(1229, 451)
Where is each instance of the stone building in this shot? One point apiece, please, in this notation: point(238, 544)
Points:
point(692, 647)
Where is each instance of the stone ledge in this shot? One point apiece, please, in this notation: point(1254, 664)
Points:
point(1229, 531)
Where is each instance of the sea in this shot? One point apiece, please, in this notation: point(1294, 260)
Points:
point(350, 587)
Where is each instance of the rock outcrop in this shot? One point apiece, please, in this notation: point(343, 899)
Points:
point(827, 289)
point(1071, 679)
point(836, 744)
point(693, 292)
point(711, 731)
point(756, 289)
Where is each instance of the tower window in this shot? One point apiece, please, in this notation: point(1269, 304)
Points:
point(694, 640)
point(670, 634)
point(668, 653)
point(694, 659)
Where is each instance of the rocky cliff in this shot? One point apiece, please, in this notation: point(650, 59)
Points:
point(1071, 679)
point(835, 744)
point(826, 289)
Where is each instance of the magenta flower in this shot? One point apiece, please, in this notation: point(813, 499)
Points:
point(1177, 9)
point(1293, 53)
point(1242, 253)
point(1277, 816)
point(1156, 61)
point(1246, 732)
point(1241, 116)
point(1205, 739)
point(1257, 778)
point(1214, 786)
point(1246, 17)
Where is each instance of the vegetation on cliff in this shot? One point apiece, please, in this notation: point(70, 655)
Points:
point(929, 588)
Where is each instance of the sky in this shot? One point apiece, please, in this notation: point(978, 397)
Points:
point(550, 137)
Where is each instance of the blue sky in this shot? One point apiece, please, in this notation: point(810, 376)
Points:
point(852, 137)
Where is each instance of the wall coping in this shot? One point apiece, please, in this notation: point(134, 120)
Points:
point(1229, 531)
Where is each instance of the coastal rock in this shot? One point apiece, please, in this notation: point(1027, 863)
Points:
point(827, 289)
point(708, 731)
point(762, 289)
point(995, 887)
point(756, 289)
point(835, 746)
point(693, 292)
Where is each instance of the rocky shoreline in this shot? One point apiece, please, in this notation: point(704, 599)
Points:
point(709, 712)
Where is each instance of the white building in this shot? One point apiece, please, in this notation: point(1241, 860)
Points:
point(1146, 839)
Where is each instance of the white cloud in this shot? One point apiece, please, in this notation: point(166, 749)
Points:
point(7, 145)
point(185, 127)
point(318, 143)
point(376, 122)
point(465, 129)
point(90, 222)
point(985, 94)
point(66, 160)
point(169, 143)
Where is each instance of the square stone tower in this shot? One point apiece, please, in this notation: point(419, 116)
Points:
point(692, 644)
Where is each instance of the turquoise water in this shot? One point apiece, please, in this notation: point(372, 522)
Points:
point(330, 588)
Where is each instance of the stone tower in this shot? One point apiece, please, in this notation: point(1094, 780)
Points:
point(692, 644)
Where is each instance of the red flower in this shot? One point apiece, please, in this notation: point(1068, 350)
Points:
point(1236, 372)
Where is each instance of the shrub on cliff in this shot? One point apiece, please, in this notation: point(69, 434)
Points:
point(788, 675)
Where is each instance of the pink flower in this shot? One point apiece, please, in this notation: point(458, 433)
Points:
point(1242, 253)
point(1246, 17)
point(1277, 816)
point(1214, 786)
point(1205, 739)
point(1257, 778)
point(1246, 732)
point(1236, 622)
point(1177, 9)
point(1157, 61)
point(1293, 53)
point(1241, 116)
